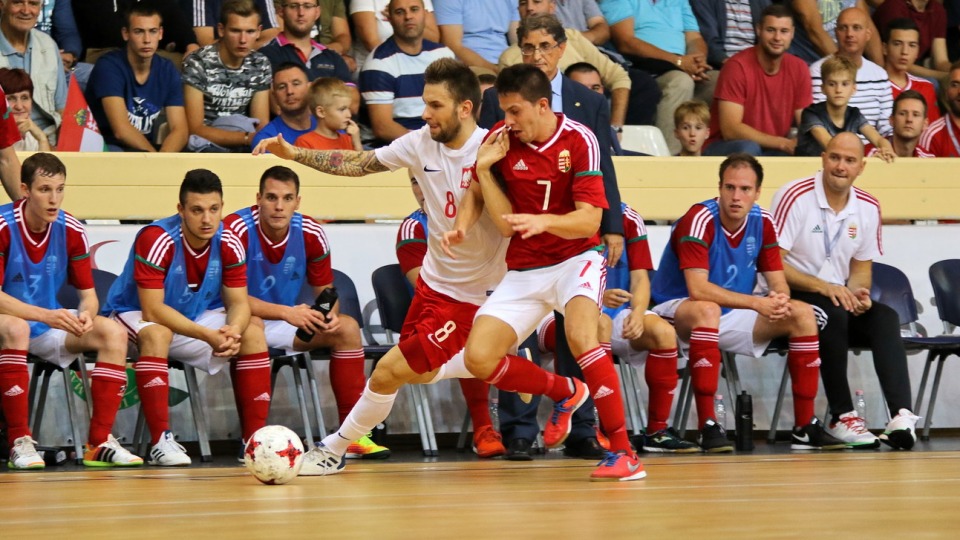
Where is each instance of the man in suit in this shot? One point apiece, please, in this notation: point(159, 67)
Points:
point(542, 42)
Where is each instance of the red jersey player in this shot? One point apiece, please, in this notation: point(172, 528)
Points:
point(550, 209)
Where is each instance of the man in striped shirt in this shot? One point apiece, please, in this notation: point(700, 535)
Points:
point(873, 96)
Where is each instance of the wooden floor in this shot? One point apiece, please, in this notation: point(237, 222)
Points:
point(882, 493)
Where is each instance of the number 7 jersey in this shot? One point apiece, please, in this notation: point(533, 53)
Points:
point(444, 174)
point(550, 178)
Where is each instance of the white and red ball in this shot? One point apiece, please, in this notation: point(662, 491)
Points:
point(273, 455)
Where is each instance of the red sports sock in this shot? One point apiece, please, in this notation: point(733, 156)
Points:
point(515, 374)
point(661, 376)
point(153, 385)
point(704, 367)
point(477, 395)
point(252, 394)
point(107, 385)
point(607, 347)
point(804, 361)
point(601, 377)
point(14, 386)
point(347, 379)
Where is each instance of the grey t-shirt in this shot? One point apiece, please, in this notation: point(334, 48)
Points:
point(226, 91)
point(816, 116)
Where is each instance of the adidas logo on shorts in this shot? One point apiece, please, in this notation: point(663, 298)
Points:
point(702, 363)
point(14, 390)
point(586, 285)
point(263, 397)
point(155, 382)
point(520, 166)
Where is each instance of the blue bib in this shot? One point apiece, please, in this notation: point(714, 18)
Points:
point(618, 276)
point(278, 283)
point(123, 295)
point(32, 283)
point(733, 268)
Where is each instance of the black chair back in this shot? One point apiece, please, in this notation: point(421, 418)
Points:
point(945, 278)
point(891, 287)
point(349, 300)
point(69, 298)
point(393, 296)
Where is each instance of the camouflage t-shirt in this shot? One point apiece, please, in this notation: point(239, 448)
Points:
point(225, 91)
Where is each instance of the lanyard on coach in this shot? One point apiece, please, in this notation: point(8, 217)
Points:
point(830, 243)
point(953, 137)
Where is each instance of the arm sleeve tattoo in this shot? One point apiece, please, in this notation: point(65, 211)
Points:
point(340, 162)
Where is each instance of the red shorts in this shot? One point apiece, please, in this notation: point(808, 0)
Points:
point(436, 328)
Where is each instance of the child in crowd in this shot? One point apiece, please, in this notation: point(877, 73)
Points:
point(18, 87)
point(330, 101)
point(820, 122)
point(692, 121)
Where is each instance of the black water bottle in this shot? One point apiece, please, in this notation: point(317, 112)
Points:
point(744, 422)
point(324, 304)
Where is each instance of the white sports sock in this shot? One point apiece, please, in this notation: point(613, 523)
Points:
point(456, 368)
point(371, 409)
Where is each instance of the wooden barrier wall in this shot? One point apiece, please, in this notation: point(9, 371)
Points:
point(145, 186)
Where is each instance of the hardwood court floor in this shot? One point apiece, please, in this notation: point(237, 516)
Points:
point(761, 495)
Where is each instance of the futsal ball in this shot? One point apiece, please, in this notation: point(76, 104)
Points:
point(273, 455)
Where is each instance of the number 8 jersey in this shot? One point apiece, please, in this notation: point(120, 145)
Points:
point(444, 174)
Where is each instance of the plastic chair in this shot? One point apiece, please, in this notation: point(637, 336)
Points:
point(393, 302)
point(945, 278)
point(646, 139)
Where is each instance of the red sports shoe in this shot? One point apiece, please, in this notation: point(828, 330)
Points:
point(487, 443)
point(558, 426)
point(602, 439)
point(619, 466)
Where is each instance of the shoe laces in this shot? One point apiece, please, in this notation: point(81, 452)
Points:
point(855, 424)
point(609, 460)
point(25, 445)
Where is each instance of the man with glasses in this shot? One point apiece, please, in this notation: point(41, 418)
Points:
point(23, 46)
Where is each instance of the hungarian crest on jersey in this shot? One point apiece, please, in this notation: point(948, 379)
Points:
point(563, 161)
point(852, 231)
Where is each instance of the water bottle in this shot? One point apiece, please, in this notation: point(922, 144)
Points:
point(744, 422)
point(860, 405)
point(324, 304)
point(494, 411)
point(720, 411)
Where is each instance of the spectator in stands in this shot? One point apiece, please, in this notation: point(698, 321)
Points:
point(663, 38)
point(9, 162)
point(295, 45)
point(23, 46)
point(291, 93)
point(391, 80)
point(32, 319)
point(931, 19)
point(19, 101)
point(207, 12)
point(132, 91)
point(704, 285)
point(728, 26)
point(542, 41)
point(634, 94)
point(587, 75)
point(816, 29)
point(901, 40)
point(941, 138)
point(330, 102)
point(100, 23)
point(56, 19)
point(583, 16)
point(333, 30)
point(225, 84)
point(372, 24)
point(477, 36)
point(411, 249)
point(167, 256)
point(829, 235)
point(285, 251)
point(692, 121)
point(873, 96)
point(820, 122)
point(909, 120)
point(760, 93)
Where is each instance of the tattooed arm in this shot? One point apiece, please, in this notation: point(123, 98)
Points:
point(338, 162)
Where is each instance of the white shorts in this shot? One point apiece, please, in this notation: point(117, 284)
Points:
point(192, 351)
point(524, 297)
point(51, 346)
point(621, 345)
point(736, 329)
point(280, 335)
